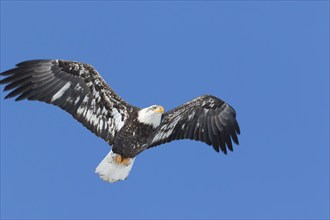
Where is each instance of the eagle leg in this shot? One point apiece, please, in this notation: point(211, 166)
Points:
point(121, 160)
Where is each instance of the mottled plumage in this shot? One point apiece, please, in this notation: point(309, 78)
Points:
point(79, 89)
point(205, 118)
point(76, 88)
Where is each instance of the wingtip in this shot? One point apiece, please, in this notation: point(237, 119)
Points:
point(216, 148)
point(2, 81)
point(19, 99)
point(237, 128)
point(7, 96)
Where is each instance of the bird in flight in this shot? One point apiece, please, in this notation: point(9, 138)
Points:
point(79, 89)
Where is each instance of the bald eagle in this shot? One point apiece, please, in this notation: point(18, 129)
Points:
point(78, 89)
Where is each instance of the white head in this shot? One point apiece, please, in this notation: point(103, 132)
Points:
point(151, 115)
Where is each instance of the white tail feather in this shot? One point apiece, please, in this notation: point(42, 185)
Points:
point(112, 171)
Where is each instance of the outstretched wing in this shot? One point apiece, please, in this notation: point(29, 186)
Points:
point(206, 118)
point(75, 87)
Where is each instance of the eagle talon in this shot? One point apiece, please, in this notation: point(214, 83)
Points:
point(121, 160)
point(118, 158)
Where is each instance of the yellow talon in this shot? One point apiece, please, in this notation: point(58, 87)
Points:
point(124, 161)
point(118, 158)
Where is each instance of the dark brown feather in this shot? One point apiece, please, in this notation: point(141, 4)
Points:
point(206, 118)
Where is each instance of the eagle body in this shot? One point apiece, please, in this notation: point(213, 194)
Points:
point(78, 89)
point(139, 137)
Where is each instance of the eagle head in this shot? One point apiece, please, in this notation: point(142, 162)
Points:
point(151, 115)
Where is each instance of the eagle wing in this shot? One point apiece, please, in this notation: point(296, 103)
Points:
point(205, 118)
point(73, 86)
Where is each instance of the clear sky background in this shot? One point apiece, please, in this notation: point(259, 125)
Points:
point(269, 60)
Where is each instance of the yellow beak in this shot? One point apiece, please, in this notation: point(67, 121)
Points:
point(159, 109)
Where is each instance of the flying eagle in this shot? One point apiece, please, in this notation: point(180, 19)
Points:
point(78, 89)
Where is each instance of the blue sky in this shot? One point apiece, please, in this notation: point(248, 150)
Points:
point(269, 60)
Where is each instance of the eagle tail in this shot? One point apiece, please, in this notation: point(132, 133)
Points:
point(111, 170)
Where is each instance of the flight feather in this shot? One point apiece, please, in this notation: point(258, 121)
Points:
point(205, 118)
point(73, 86)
